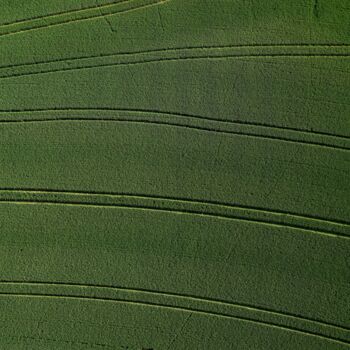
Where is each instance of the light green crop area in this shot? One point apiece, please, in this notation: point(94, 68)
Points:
point(175, 174)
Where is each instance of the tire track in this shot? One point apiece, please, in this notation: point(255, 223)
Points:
point(81, 10)
point(189, 297)
point(26, 20)
point(205, 57)
point(186, 118)
point(184, 48)
point(178, 308)
point(190, 212)
point(75, 20)
point(195, 128)
point(193, 116)
point(174, 199)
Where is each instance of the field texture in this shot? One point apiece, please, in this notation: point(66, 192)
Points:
point(174, 174)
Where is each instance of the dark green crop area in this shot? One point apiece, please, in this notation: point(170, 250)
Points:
point(175, 174)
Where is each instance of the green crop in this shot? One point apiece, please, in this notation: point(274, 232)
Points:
point(174, 174)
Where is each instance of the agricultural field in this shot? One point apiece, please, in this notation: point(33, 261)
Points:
point(175, 174)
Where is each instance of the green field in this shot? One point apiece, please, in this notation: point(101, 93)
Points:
point(175, 174)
